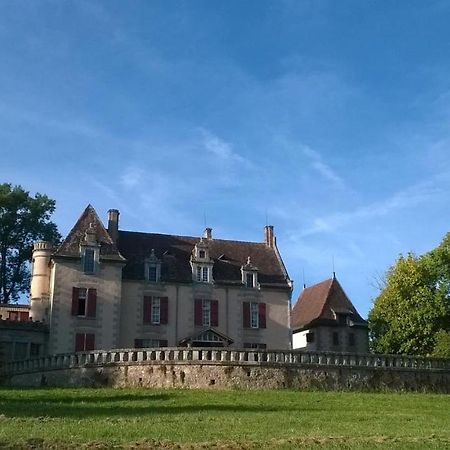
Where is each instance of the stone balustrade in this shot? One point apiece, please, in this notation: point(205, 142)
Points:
point(220, 356)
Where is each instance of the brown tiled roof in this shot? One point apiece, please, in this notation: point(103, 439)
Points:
point(319, 303)
point(89, 220)
point(175, 252)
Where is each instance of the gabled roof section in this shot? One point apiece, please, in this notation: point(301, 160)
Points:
point(175, 253)
point(89, 220)
point(322, 304)
point(207, 335)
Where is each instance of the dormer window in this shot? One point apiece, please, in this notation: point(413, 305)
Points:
point(203, 274)
point(249, 274)
point(153, 268)
point(201, 263)
point(250, 280)
point(89, 260)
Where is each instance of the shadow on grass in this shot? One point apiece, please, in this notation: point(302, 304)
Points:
point(121, 405)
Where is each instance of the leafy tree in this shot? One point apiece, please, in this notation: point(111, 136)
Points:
point(442, 347)
point(23, 220)
point(414, 304)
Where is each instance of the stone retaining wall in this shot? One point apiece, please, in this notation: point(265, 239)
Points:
point(219, 368)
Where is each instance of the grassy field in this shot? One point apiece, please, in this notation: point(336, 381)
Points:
point(139, 419)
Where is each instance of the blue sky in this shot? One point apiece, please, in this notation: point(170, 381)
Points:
point(331, 119)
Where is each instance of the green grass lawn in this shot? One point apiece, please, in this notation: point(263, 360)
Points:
point(139, 418)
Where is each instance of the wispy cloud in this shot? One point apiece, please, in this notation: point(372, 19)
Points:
point(321, 167)
point(221, 149)
point(407, 198)
point(132, 177)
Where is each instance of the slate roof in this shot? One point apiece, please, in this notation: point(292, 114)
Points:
point(175, 252)
point(89, 220)
point(318, 304)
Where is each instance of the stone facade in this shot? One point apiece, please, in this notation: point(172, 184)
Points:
point(98, 289)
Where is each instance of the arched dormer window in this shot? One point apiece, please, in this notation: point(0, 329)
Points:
point(152, 268)
point(249, 275)
point(201, 263)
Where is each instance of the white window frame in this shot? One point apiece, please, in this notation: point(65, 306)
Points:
point(206, 313)
point(156, 267)
point(95, 258)
point(254, 315)
point(203, 274)
point(156, 310)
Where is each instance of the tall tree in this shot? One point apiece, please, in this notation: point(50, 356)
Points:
point(23, 220)
point(414, 304)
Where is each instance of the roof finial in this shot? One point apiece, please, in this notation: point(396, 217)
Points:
point(334, 272)
point(304, 282)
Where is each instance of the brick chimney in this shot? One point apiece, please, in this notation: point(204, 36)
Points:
point(269, 237)
point(208, 233)
point(113, 224)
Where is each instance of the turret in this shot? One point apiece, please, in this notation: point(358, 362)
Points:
point(40, 279)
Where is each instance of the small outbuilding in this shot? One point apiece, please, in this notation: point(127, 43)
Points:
point(324, 319)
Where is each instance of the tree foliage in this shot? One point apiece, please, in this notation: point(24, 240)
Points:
point(414, 304)
point(23, 220)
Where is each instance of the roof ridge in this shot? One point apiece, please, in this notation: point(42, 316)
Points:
point(327, 298)
point(192, 237)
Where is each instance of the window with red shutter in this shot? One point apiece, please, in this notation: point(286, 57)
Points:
point(92, 303)
point(246, 314)
point(198, 313)
point(262, 315)
point(89, 341)
point(214, 313)
point(75, 295)
point(147, 309)
point(79, 342)
point(164, 310)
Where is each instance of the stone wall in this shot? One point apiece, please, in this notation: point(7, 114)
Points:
point(218, 368)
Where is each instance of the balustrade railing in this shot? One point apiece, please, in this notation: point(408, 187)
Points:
point(219, 356)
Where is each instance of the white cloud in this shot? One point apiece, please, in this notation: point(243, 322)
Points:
point(321, 167)
point(221, 149)
point(407, 198)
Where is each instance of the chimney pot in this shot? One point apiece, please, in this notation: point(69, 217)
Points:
point(208, 233)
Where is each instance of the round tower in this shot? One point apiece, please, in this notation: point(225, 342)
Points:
point(40, 279)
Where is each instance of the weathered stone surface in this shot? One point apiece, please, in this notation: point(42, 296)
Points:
point(218, 368)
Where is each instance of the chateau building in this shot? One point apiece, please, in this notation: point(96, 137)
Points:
point(107, 288)
point(324, 319)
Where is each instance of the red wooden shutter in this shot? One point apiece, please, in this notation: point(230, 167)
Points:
point(75, 294)
point(262, 315)
point(79, 342)
point(214, 313)
point(147, 309)
point(163, 310)
point(163, 343)
point(92, 302)
point(90, 341)
point(198, 314)
point(138, 343)
point(246, 314)
point(24, 316)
